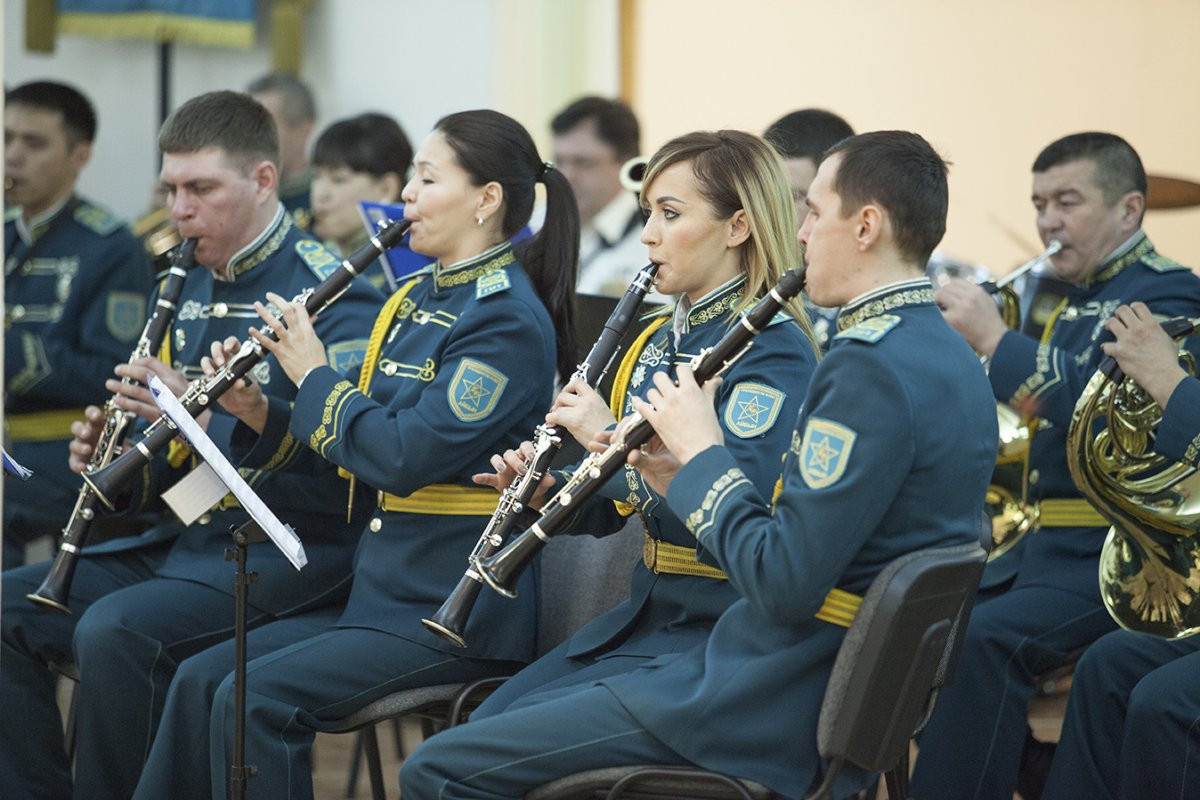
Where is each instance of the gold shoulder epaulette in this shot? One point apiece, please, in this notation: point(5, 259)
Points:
point(1160, 263)
point(96, 219)
point(319, 260)
point(871, 329)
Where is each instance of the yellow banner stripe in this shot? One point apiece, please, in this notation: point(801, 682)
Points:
point(443, 498)
point(158, 26)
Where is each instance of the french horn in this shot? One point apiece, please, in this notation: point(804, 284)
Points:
point(1150, 564)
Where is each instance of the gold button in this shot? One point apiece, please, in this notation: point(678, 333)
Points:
point(1033, 476)
point(376, 525)
point(220, 310)
point(17, 311)
point(205, 519)
point(1070, 313)
point(388, 368)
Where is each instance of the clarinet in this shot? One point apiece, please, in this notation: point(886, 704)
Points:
point(56, 588)
point(451, 619)
point(502, 571)
point(200, 394)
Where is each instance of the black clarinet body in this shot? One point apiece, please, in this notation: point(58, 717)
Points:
point(451, 619)
point(55, 590)
point(202, 393)
point(503, 570)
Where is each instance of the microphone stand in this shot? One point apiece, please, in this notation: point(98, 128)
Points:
point(243, 535)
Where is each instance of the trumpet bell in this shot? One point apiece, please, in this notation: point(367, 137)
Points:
point(632, 172)
point(159, 236)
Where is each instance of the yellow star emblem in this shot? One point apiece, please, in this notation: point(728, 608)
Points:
point(750, 411)
point(474, 393)
point(821, 454)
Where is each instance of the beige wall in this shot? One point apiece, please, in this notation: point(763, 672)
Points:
point(989, 84)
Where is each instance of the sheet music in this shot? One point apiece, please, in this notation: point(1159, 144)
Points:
point(282, 535)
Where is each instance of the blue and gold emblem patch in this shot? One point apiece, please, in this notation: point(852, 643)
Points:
point(474, 390)
point(752, 409)
point(345, 356)
point(125, 315)
point(491, 283)
point(319, 260)
point(871, 330)
point(825, 452)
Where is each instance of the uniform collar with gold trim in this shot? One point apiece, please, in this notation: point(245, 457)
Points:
point(714, 305)
point(474, 268)
point(263, 247)
point(911, 292)
point(31, 231)
point(1134, 249)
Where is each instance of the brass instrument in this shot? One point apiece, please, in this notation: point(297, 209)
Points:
point(451, 619)
point(1150, 563)
point(503, 570)
point(1011, 513)
point(632, 172)
point(56, 587)
point(201, 393)
point(158, 234)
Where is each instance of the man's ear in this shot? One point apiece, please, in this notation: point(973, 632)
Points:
point(869, 227)
point(265, 176)
point(1133, 206)
point(391, 184)
point(79, 155)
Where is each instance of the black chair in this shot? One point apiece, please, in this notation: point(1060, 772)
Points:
point(900, 650)
point(582, 577)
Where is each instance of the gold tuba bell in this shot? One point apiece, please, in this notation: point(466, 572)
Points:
point(1150, 562)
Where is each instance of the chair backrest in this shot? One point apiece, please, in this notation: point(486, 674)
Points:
point(899, 650)
point(582, 577)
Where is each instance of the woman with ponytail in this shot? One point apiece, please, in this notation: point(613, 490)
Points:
point(459, 364)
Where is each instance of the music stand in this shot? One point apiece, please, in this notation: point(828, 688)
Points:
point(216, 471)
point(245, 534)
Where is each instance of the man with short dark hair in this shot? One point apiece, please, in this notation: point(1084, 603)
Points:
point(75, 286)
point(1089, 194)
point(294, 110)
point(896, 415)
point(802, 137)
point(593, 139)
point(141, 604)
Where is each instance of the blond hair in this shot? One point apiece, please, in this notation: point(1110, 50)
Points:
point(736, 171)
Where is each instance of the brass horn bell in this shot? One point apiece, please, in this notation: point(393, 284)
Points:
point(1150, 563)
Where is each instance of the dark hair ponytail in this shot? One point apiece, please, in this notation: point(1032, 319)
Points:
point(491, 146)
point(551, 258)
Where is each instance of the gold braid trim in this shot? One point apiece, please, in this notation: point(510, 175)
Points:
point(458, 278)
point(874, 308)
point(717, 309)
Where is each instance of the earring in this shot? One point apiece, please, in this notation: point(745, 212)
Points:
point(479, 221)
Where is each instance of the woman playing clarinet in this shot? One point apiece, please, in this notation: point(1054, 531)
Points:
point(459, 364)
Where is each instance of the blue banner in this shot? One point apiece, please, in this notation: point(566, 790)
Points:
point(220, 23)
